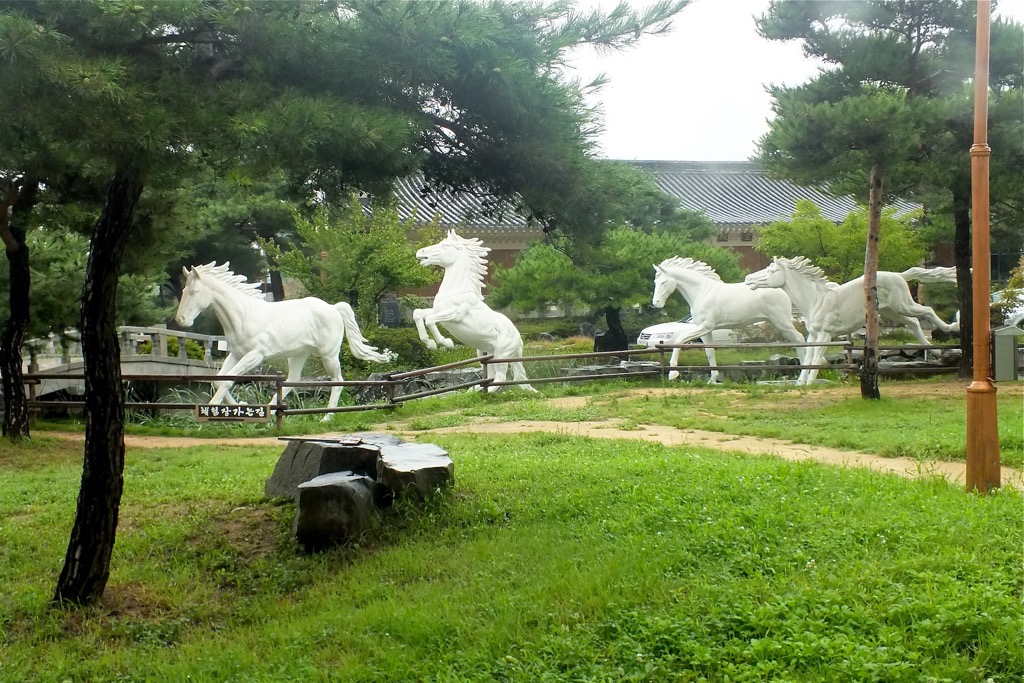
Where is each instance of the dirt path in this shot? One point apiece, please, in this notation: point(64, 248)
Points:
point(787, 450)
point(616, 429)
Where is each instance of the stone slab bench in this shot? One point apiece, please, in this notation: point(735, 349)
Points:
point(340, 483)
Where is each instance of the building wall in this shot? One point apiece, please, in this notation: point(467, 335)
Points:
point(742, 240)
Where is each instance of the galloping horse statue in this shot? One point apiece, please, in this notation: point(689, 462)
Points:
point(258, 330)
point(717, 305)
point(830, 309)
point(459, 306)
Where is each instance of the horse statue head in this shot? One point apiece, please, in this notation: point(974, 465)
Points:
point(772, 276)
point(783, 269)
point(468, 255)
point(664, 285)
point(197, 295)
point(668, 272)
point(451, 249)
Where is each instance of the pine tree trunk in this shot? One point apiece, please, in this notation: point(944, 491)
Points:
point(87, 562)
point(869, 368)
point(964, 283)
point(16, 414)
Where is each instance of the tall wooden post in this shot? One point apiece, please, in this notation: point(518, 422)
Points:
point(982, 435)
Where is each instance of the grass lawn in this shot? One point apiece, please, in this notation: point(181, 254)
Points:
point(554, 558)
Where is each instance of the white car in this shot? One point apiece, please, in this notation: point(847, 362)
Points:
point(1012, 315)
point(664, 333)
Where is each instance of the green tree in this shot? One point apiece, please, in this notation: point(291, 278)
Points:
point(926, 49)
point(1011, 296)
point(332, 95)
point(852, 138)
point(19, 197)
point(839, 249)
point(58, 272)
point(356, 256)
point(229, 214)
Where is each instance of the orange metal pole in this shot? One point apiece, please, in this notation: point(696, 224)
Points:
point(983, 468)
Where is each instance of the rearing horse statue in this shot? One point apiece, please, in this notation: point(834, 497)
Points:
point(459, 306)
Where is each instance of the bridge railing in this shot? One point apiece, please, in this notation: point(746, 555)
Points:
point(131, 339)
point(43, 353)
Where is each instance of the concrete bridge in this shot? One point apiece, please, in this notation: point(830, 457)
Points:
point(144, 351)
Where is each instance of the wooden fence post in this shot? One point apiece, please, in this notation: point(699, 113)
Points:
point(279, 390)
point(389, 388)
point(483, 367)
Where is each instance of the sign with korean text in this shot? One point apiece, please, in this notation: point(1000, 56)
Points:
point(236, 413)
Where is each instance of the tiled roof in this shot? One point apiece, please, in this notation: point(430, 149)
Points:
point(453, 208)
point(731, 193)
point(739, 192)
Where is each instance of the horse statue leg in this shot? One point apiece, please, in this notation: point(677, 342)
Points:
point(914, 325)
point(418, 317)
point(710, 353)
point(451, 314)
point(295, 364)
point(673, 361)
point(333, 367)
point(245, 364)
point(815, 356)
point(488, 373)
point(682, 339)
point(500, 374)
point(497, 372)
point(783, 322)
point(911, 319)
point(519, 374)
point(223, 389)
point(427, 318)
point(439, 336)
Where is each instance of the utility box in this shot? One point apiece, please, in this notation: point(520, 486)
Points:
point(1005, 359)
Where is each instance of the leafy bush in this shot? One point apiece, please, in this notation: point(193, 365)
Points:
point(193, 349)
point(412, 353)
point(942, 298)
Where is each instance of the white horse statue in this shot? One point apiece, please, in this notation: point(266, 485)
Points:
point(257, 329)
point(459, 306)
point(830, 309)
point(717, 305)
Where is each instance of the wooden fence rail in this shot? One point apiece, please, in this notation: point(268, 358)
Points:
point(390, 384)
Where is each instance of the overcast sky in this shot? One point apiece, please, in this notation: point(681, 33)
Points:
point(698, 93)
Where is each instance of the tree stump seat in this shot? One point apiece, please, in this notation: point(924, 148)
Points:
point(341, 483)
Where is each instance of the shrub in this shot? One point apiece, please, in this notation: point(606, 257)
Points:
point(942, 298)
point(412, 353)
point(193, 349)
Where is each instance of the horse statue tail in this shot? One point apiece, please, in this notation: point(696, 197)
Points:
point(929, 274)
point(356, 340)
